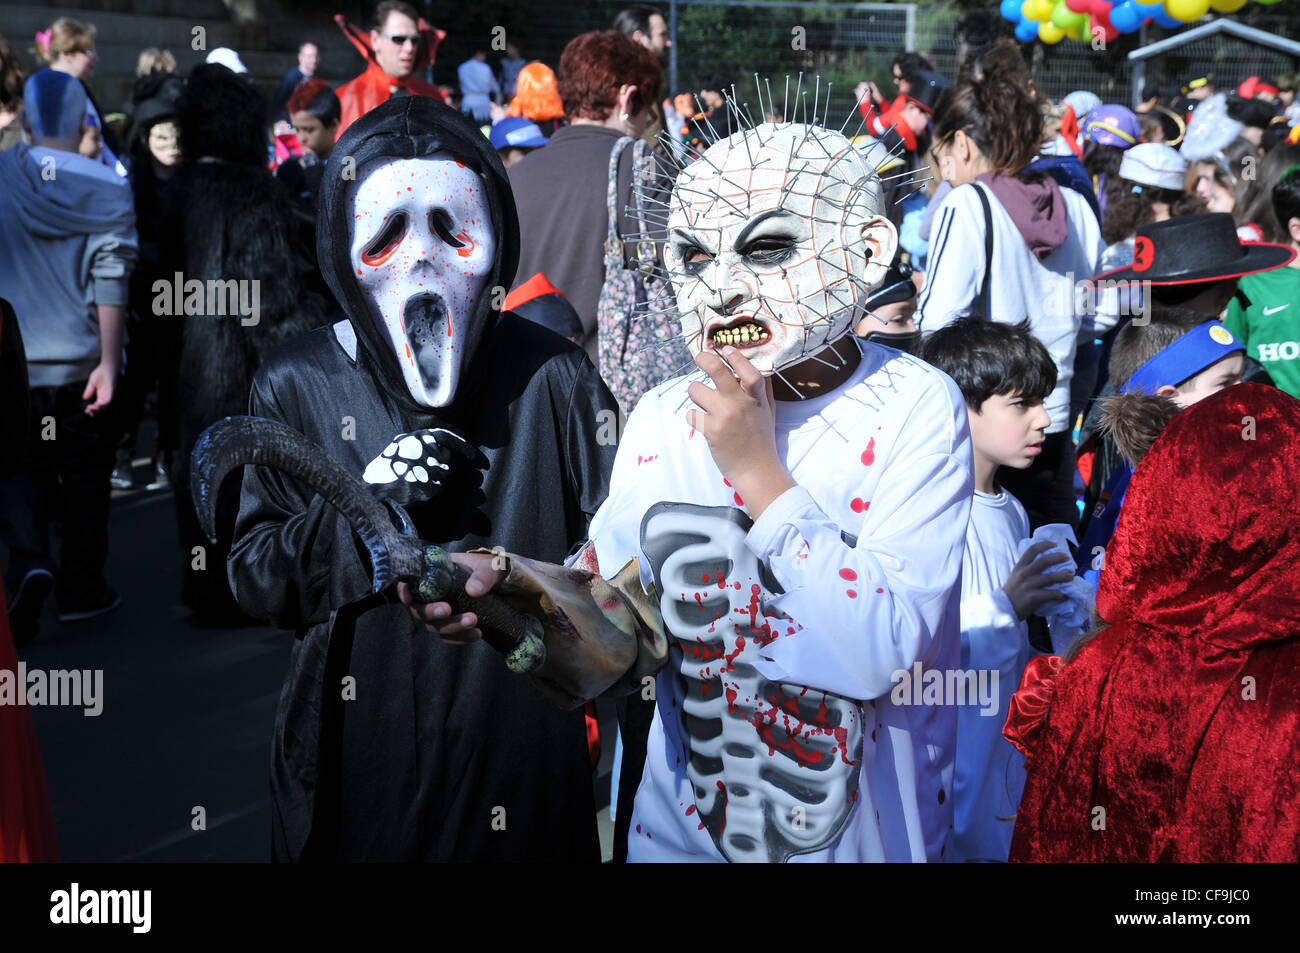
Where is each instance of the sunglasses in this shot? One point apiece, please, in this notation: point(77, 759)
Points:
point(398, 39)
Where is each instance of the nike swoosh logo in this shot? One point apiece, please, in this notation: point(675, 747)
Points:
point(1268, 311)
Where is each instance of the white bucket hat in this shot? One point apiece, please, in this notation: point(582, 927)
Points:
point(1154, 164)
point(225, 56)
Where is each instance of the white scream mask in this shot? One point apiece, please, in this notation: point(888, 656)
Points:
point(776, 239)
point(422, 248)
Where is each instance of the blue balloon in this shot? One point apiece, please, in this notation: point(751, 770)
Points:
point(1126, 17)
point(1165, 20)
point(1010, 10)
point(1026, 31)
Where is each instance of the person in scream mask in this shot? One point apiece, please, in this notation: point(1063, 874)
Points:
point(485, 427)
point(798, 506)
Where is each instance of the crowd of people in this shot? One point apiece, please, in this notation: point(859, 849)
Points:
point(991, 388)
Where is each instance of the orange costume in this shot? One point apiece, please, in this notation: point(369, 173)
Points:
point(374, 86)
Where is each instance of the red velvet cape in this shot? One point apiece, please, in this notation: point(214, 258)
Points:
point(1181, 721)
point(26, 826)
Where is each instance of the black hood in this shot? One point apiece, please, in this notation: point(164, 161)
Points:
point(411, 127)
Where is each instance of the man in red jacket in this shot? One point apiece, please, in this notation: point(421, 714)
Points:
point(398, 46)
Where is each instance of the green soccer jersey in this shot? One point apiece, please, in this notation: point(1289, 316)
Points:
point(1270, 327)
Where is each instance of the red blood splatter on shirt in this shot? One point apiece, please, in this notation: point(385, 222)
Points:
point(702, 652)
point(859, 505)
point(721, 582)
point(852, 594)
point(731, 656)
point(869, 455)
point(704, 578)
point(731, 702)
point(878, 591)
point(690, 810)
point(848, 574)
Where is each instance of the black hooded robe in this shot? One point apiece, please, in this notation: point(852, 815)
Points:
point(437, 752)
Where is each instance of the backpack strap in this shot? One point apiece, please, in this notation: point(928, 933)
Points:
point(986, 288)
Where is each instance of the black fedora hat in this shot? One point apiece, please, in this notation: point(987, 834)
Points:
point(1192, 248)
point(928, 90)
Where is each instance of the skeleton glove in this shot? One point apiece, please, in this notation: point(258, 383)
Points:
point(415, 466)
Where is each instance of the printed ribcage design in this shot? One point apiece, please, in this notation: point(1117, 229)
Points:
point(773, 765)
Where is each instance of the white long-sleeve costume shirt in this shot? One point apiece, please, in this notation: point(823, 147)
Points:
point(1048, 293)
point(788, 635)
point(990, 772)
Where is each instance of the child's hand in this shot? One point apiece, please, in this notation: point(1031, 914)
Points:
point(99, 388)
point(739, 422)
point(437, 616)
point(1028, 585)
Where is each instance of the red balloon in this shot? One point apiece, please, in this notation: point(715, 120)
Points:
point(1079, 6)
point(1101, 18)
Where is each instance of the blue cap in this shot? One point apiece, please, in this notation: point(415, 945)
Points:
point(55, 104)
point(516, 132)
point(1192, 353)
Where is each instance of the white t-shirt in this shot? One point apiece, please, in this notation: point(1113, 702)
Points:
point(786, 636)
point(990, 772)
point(1049, 292)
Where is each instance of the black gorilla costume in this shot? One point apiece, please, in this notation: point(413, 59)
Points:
point(226, 218)
point(437, 752)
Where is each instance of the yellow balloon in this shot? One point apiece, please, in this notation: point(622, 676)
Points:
point(1037, 10)
point(1187, 11)
point(1227, 6)
point(1050, 33)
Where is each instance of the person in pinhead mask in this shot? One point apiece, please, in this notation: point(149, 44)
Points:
point(391, 744)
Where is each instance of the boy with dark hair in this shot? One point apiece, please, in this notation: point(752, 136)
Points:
point(315, 111)
point(1269, 326)
point(1004, 373)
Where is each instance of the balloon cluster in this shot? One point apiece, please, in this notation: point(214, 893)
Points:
point(1055, 20)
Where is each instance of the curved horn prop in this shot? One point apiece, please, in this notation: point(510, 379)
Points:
point(239, 441)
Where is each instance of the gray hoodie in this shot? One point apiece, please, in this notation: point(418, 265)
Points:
point(67, 243)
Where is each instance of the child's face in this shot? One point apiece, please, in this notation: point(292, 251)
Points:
point(1009, 431)
point(897, 317)
point(1222, 373)
point(165, 143)
point(316, 137)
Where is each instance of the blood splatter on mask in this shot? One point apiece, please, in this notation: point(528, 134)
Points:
point(422, 246)
point(776, 239)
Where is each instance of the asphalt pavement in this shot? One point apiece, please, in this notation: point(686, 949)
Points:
point(187, 714)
